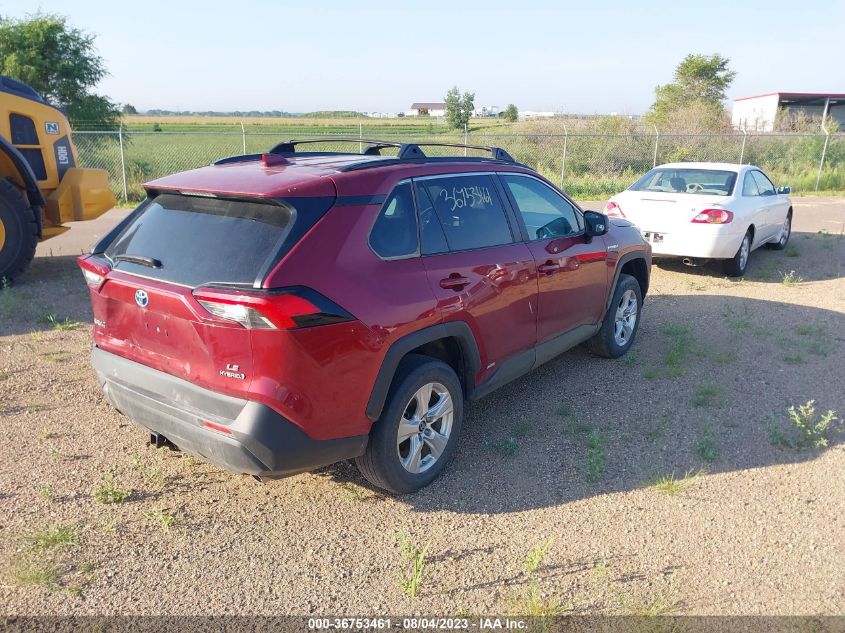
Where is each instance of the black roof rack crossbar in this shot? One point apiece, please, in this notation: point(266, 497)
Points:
point(392, 160)
point(496, 153)
point(289, 147)
point(406, 151)
point(374, 147)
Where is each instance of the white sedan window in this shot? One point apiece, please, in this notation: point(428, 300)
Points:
point(764, 184)
point(749, 185)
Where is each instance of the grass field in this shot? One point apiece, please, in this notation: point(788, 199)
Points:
point(595, 159)
point(309, 125)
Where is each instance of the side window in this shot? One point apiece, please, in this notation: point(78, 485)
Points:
point(469, 211)
point(23, 130)
point(24, 134)
point(749, 185)
point(431, 232)
point(394, 233)
point(545, 213)
point(764, 184)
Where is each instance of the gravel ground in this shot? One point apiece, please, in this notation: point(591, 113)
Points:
point(565, 457)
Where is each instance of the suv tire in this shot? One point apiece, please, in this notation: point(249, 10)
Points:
point(619, 328)
point(398, 458)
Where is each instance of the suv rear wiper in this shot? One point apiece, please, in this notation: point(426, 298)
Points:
point(139, 259)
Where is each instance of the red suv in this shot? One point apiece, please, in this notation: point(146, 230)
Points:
point(278, 312)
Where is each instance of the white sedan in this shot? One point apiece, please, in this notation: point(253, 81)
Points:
point(702, 211)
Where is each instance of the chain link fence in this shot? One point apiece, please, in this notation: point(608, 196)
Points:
point(586, 165)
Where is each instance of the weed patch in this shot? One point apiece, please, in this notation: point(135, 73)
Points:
point(57, 323)
point(596, 456)
point(672, 485)
point(107, 491)
point(706, 446)
point(532, 603)
point(706, 395)
point(812, 429)
point(160, 518)
point(506, 447)
point(680, 344)
point(415, 564)
point(535, 557)
point(56, 538)
point(46, 492)
point(34, 573)
point(790, 279)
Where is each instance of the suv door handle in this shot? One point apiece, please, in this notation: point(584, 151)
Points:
point(548, 268)
point(454, 282)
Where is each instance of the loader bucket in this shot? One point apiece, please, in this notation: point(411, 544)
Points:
point(83, 194)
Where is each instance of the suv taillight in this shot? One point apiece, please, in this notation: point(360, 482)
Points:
point(284, 309)
point(613, 210)
point(713, 216)
point(93, 269)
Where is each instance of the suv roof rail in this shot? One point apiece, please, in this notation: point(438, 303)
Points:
point(407, 152)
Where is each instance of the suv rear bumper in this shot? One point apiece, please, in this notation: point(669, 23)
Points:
point(259, 442)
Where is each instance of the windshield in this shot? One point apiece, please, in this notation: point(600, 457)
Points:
point(694, 181)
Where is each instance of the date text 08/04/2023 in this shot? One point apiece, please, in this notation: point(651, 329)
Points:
point(482, 623)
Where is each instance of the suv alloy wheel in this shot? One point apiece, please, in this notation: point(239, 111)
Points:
point(415, 435)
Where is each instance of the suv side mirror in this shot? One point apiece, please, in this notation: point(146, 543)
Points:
point(596, 224)
point(784, 190)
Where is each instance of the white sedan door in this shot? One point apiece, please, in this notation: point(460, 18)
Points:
point(775, 205)
point(754, 208)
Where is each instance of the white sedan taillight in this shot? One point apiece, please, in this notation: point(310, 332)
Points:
point(613, 210)
point(713, 216)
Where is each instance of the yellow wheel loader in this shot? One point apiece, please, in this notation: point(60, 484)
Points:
point(41, 187)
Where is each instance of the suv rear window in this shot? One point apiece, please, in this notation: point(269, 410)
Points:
point(201, 240)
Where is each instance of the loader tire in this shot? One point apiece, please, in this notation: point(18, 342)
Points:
point(18, 232)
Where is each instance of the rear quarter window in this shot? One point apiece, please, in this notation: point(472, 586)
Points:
point(394, 233)
point(202, 240)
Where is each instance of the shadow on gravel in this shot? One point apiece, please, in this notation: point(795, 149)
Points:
point(810, 256)
point(50, 295)
point(706, 388)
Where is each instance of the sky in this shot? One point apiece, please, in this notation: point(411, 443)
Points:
point(585, 57)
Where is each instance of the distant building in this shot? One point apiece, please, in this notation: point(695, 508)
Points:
point(486, 111)
point(526, 115)
point(759, 113)
point(430, 109)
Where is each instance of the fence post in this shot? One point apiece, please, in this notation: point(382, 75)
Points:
point(243, 136)
point(656, 144)
point(742, 151)
point(824, 151)
point(563, 162)
point(122, 162)
point(465, 139)
point(360, 136)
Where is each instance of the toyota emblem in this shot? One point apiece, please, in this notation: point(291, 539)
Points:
point(141, 298)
